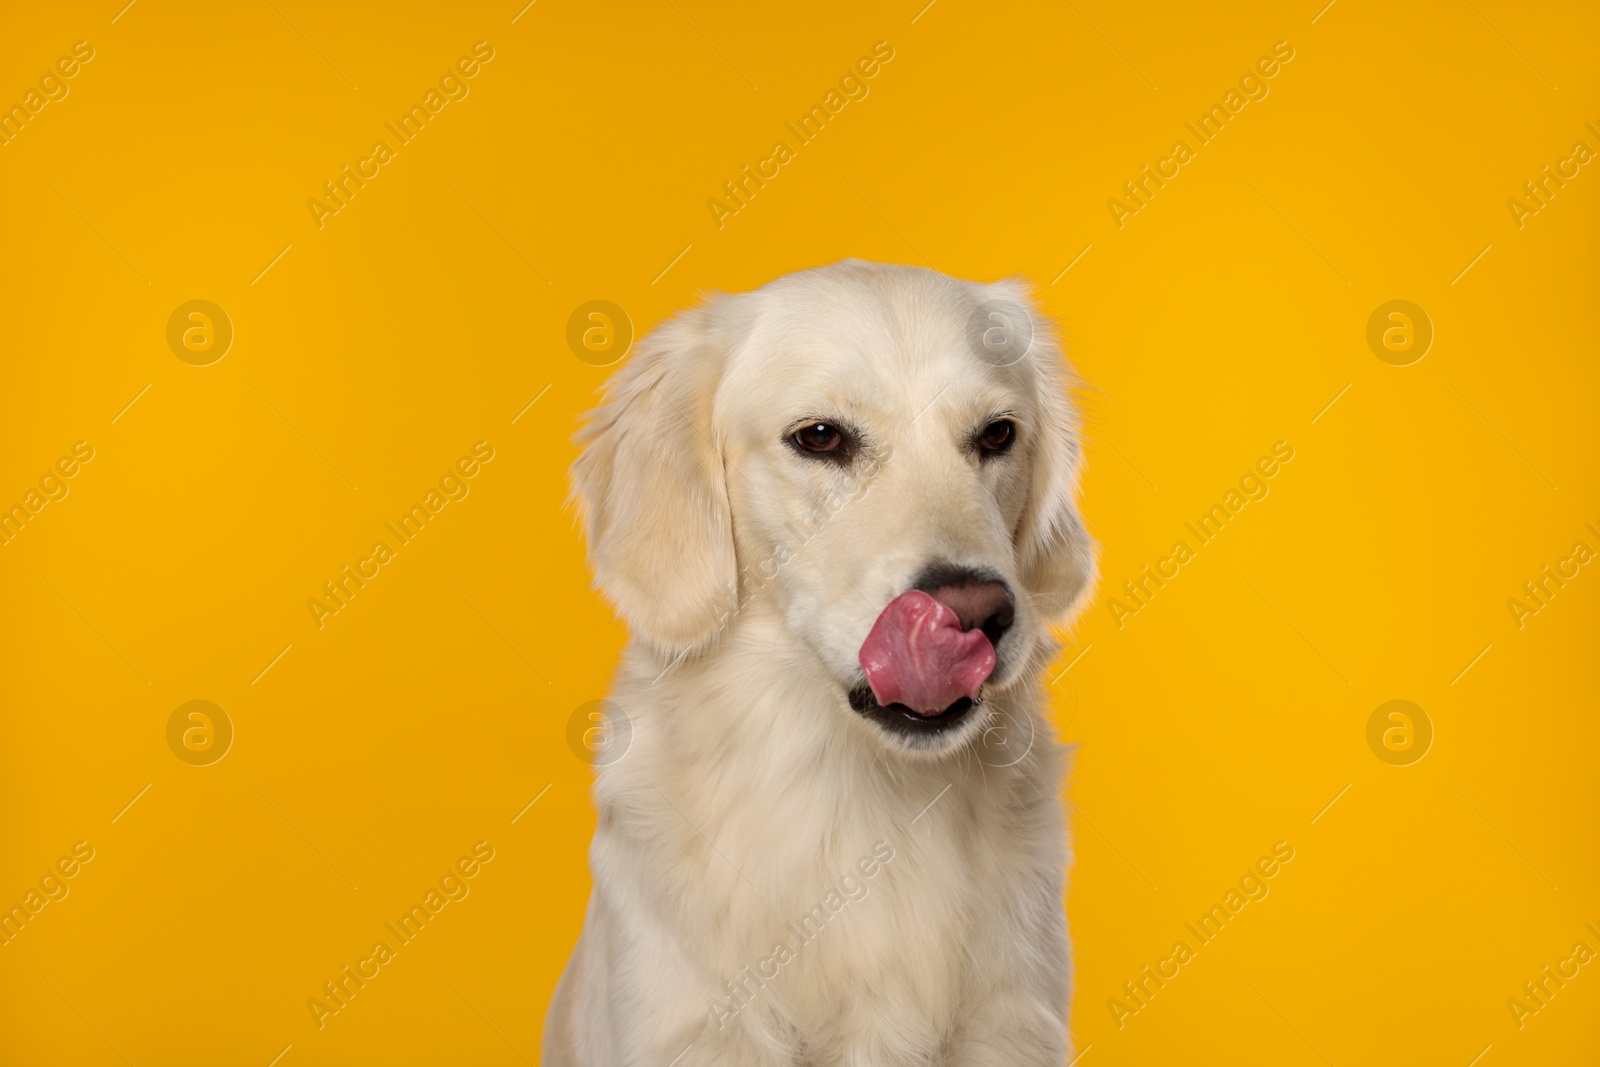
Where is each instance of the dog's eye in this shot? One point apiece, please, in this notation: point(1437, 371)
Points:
point(997, 437)
point(820, 437)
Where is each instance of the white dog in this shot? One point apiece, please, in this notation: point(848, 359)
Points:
point(831, 511)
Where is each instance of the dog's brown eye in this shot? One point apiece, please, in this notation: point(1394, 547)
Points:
point(997, 436)
point(818, 437)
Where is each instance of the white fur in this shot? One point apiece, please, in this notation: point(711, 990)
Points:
point(749, 576)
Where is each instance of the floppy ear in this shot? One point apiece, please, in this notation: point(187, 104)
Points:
point(652, 488)
point(1056, 553)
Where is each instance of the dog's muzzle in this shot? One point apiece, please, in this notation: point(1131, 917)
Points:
point(931, 650)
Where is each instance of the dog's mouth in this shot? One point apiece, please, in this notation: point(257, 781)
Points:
point(902, 720)
point(918, 656)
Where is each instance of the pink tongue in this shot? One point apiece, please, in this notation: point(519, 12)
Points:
point(918, 655)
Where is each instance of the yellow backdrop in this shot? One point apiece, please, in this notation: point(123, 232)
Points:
point(242, 341)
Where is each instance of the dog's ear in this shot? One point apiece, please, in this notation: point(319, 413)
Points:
point(1054, 550)
point(653, 491)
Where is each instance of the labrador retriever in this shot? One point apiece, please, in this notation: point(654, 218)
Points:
point(838, 517)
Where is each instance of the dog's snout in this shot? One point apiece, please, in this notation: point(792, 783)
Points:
point(981, 601)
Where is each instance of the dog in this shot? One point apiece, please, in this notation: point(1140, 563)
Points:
point(838, 515)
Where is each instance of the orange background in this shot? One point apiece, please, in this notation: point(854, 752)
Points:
point(368, 355)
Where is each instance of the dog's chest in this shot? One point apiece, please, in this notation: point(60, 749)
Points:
point(885, 917)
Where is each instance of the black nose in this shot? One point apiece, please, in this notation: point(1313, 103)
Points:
point(980, 599)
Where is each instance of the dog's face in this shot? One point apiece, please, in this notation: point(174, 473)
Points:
point(885, 455)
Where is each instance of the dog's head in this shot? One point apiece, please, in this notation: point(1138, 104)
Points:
point(884, 457)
